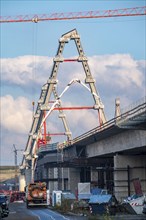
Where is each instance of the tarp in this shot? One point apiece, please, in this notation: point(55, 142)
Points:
point(68, 196)
point(84, 196)
point(100, 199)
point(96, 191)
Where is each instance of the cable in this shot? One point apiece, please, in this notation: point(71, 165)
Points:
point(34, 54)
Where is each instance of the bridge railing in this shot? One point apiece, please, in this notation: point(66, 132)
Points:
point(133, 110)
point(134, 105)
point(48, 147)
point(127, 113)
point(95, 130)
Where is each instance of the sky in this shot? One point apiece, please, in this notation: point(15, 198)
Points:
point(115, 48)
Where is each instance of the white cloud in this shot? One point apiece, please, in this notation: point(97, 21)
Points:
point(16, 115)
point(118, 70)
point(117, 75)
point(25, 70)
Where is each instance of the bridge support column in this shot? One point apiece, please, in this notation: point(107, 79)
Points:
point(74, 179)
point(63, 178)
point(126, 169)
point(22, 182)
point(94, 175)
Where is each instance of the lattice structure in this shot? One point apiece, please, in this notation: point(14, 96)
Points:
point(136, 11)
point(50, 88)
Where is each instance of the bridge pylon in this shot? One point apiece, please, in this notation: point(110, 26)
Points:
point(50, 89)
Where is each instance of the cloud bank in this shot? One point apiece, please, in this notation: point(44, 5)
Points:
point(16, 115)
point(24, 70)
point(117, 75)
point(121, 68)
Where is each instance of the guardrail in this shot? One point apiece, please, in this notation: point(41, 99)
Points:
point(94, 130)
point(47, 147)
point(137, 111)
point(134, 105)
point(131, 111)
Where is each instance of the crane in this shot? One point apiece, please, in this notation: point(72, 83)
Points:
point(136, 11)
point(30, 153)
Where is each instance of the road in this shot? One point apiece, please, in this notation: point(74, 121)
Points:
point(18, 211)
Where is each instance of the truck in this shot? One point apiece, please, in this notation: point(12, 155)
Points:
point(36, 194)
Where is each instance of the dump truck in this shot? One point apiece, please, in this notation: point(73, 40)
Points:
point(36, 194)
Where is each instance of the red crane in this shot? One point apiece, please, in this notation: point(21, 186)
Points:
point(137, 11)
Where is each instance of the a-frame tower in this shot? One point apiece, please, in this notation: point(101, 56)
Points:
point(49, 88)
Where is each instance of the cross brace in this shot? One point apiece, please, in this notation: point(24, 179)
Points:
point(50, 88)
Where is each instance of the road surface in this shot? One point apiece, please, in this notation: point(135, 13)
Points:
point(18, 211)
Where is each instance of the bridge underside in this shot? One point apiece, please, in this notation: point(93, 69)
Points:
point(76, 156)
point(110, 158)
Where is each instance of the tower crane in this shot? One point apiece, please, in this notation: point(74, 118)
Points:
point(136, 11)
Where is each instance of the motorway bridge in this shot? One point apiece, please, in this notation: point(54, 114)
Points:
point(109, 156)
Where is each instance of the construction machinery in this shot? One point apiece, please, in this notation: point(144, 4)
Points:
point(36, 194)
point(135, 11)
point(30, 154)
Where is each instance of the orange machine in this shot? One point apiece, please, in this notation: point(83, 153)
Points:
point(36, 194)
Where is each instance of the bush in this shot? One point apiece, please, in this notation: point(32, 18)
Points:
point(65, 206)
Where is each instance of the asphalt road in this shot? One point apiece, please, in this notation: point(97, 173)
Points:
point(18, 211)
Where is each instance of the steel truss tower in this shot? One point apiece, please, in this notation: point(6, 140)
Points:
point(50, 88)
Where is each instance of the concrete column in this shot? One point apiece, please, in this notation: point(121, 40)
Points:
point(28, 176)
point(94, 175)
point(74, 176)
point(22, 182)
point(132, 167)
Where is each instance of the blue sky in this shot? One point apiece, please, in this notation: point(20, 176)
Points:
point(115, 48)
point(17, 38)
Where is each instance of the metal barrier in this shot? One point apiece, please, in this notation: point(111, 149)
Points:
point(134, 105)
point(133, 110)
point(47, 147)
point(128, 113)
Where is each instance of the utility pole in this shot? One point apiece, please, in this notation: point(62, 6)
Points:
point(15, 155)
